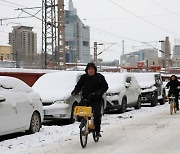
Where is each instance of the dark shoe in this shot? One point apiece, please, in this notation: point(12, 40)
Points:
point(78, 118)
point(98, 135)
point(81, 125)
point(177, 108)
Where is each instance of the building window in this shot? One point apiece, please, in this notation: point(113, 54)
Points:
point(2, 56)
point(85, 43)
point(8, 56)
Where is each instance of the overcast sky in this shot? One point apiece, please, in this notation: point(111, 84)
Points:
point(111, 21)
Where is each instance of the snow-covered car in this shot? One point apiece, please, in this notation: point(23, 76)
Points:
point(152, 89)
point(55, 91)
point(20, 107)
point(124, 91)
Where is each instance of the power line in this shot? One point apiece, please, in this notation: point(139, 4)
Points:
point(7, 5)
point(155, 15)
point(147, 43)
point(12, 3)
point(118, 36)
point(142, 18)
point(164, 8)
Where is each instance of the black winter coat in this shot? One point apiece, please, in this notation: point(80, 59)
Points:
point(173, 84)
point(91, 84)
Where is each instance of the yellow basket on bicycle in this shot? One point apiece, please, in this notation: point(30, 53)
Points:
point(83, 111)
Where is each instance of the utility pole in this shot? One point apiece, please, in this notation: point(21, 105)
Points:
point(95, 53)
point(53, 33)
point(167, 54)
point(61, 36)
point(48, 31)
point(122, 52)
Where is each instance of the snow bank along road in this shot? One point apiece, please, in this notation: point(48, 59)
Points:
point(144, 131)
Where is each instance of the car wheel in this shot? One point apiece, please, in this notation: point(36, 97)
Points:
point(162, 101)
point(123, 106)
point(154, 101)
point(138, 105)
point(35, 124)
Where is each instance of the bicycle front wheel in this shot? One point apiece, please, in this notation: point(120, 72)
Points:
point(95, 137)
point(83, 133)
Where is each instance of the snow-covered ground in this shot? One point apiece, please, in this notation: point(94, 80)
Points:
point(145, 131)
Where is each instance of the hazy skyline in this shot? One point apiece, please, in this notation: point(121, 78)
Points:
point(110, 21)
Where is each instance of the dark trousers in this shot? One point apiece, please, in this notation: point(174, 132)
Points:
point(96, 108)
point(177, 101)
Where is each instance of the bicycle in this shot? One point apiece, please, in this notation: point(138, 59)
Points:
point(172, 104)
point(87, 124)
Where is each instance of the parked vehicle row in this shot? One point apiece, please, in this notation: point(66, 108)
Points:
point(23, 108)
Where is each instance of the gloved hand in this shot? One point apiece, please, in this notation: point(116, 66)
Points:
point(94, 96)
point(73, 93)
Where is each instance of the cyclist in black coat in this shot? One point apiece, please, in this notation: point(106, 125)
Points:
point(174, 85)
point(93, 86)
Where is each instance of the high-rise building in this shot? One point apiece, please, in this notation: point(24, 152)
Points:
point(176, 54)
point(24, 46)
point(77, 37)
point(149, 56)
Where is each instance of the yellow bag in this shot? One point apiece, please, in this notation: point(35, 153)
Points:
point(83, 111)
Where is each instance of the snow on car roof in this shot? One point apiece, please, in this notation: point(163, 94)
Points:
point(145, 79)
point(7, 82)
point(56, 86)
point(115, 80)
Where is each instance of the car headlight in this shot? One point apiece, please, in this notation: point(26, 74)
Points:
point(112, 94)
point(60, 101)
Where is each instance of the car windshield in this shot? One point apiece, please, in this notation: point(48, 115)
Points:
point(145, 79)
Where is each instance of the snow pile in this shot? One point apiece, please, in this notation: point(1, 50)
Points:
point(14, 84)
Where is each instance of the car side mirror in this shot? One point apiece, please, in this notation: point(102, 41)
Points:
point(2, 99)
point(127, 84)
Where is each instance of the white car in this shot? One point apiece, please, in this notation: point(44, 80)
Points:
point(124, 91)
point(20, 108)
point(152, 89)
point(55, 91)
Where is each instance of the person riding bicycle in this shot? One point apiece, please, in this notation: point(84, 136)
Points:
point(93, 86)
point(174, 85)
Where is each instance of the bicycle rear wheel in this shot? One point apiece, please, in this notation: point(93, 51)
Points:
point(83, 133)
point(95, 137)
point(175, 109)
point(171, 108)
